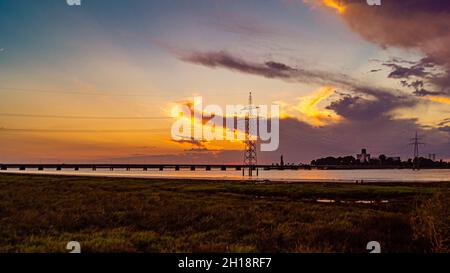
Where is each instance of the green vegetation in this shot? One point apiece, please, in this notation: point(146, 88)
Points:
point(42, 213)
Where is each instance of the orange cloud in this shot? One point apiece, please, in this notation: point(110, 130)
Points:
point(444, 100)
point(308, 111)
point(199, 119)
point(334, 4)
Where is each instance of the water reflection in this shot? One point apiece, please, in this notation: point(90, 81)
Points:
point(349, 176)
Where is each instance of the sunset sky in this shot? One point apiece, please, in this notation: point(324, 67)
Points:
point(95, 83)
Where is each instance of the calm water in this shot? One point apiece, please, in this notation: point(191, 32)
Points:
point(288, 175)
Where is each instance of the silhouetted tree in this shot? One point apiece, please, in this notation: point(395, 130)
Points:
point(382, 159)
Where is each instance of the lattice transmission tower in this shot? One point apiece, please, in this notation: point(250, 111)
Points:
point(416, 143)
point(250, 157)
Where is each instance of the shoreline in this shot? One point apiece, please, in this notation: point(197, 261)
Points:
point(230, 180)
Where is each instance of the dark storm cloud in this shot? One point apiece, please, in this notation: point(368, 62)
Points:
point(226, 60)
point(383, 102)
point(417, 84)
point(360, 102)
point(267, 69)
point(358, 108)
point(412, 24)
point(419, 88)
point(402, 72)
point(416, 75)
point(423, 92)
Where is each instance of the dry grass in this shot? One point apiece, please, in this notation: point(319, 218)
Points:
point(43, 213)
point(431, 223)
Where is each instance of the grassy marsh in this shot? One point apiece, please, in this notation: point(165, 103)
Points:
point(40, 213)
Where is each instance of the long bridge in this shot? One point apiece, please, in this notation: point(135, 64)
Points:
point(179, 167)
point(146, 167)
point(184, 167)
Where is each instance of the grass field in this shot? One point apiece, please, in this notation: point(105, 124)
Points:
point(42, 213)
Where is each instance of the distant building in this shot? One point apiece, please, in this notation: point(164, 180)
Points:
point(363, 157)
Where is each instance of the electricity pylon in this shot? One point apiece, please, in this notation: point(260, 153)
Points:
point(416, 142)
point(250, 158)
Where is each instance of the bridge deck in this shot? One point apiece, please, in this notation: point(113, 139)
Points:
point(96, 166)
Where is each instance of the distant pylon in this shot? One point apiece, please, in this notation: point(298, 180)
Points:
point(250, 158)
point(416, 142)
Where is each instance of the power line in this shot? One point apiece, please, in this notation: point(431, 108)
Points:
point(82, 117)
point(77, 92)
point(111, 94)
point(25, 130)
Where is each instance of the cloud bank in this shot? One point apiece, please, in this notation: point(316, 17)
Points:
point(421, 25)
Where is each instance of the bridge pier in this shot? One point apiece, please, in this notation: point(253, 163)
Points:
point(250, 171)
